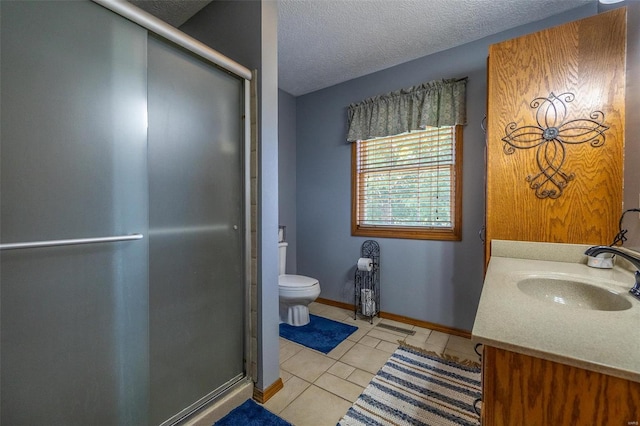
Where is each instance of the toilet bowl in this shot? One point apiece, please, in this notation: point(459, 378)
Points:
point(296, 292)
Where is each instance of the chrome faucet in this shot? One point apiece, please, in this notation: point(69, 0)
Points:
point(635, 261)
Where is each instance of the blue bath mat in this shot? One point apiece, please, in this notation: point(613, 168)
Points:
point(251, 414)
point(321, 334)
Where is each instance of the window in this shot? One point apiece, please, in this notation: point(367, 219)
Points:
point(408, 185)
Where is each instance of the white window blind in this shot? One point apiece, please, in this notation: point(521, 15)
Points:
point(407, 180)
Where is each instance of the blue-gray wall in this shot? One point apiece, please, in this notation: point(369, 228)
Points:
point(433, 281)
point(632, 130)
point(217, 24)
point(287, 173)
point(268, 312)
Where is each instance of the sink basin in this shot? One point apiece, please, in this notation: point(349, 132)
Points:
point(573, 293)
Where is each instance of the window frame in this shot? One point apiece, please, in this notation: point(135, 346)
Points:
point(454, 233)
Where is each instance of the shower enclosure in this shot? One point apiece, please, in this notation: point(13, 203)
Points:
point(122, 221)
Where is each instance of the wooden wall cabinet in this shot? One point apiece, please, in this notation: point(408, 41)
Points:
point(579, 68)
point(524, 390)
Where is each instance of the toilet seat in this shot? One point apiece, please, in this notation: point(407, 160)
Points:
point(296, 281)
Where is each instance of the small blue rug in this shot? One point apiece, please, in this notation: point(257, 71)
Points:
point(251, 414)
point(321, 334)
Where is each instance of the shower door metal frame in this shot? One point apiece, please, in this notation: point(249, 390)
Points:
point(161, 28)
point(166, 31)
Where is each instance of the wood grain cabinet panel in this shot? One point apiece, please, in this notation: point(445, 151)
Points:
point(524, 390)
point(582, 63)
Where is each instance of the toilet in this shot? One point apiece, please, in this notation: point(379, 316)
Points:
point(296, 292)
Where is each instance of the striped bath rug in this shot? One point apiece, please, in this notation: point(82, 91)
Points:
point(415, 387)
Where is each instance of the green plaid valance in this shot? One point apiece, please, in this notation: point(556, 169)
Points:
point(432, 104)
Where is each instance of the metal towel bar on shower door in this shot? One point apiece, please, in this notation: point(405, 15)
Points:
point(54, 243)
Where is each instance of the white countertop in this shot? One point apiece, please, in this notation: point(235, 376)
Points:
point(603, 341)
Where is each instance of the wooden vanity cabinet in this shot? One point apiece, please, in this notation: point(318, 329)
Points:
point(582, 64)
point(525, 390)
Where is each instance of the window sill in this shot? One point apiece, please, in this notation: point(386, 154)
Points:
point(407, 233)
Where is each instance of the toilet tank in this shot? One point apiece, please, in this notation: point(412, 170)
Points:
point(282, 257)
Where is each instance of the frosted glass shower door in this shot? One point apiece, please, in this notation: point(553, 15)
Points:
point(74, 319)
point(196, 267)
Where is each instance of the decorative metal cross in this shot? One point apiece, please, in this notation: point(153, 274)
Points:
point(549, 137)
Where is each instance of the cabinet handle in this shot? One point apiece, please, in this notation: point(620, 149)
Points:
point(475, 349)
point(475, 406)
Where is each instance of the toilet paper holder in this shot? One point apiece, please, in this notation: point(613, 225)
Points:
point(367, 282)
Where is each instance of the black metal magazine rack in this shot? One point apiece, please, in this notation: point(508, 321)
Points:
point(367, 284)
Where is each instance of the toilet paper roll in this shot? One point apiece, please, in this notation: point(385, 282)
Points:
point(368, 305)
point(365, 264)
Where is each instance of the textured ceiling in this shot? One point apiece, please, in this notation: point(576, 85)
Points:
point(325, 42)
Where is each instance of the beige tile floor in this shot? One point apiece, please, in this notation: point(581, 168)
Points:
point(319, 389)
